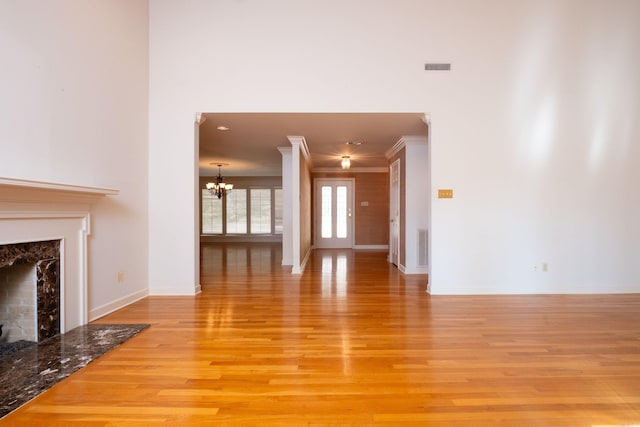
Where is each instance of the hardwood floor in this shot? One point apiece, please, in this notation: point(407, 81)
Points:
point(353, 342)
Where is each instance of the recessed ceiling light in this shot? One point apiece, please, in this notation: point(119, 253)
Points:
point(222, 128)
point(354, 143)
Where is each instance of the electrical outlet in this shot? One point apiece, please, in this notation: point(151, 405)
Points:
point(120, 277)
point(535, 268)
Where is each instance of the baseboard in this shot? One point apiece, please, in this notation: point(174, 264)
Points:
point(416, 270)
point(244, 238)
point(371, 247)
point(175, 292)
point(109, 308)
point(303, 264)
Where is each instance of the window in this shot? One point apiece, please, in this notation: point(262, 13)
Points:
point(326, 224)
point(242, 211)
point(277, 220)
point(260, 200)
point(236, 211)
point(341, 211)
point(211, 213)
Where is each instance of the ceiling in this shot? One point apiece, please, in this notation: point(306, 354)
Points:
point(250, 145)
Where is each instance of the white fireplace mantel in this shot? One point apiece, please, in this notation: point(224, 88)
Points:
point(12, 189)
point(32, 211)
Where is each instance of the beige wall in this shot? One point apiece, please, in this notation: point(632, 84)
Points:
point(372, 221)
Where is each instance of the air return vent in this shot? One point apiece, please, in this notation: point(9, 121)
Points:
point(437, 67)
point(423, 246)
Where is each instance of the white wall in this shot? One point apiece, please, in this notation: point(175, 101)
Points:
point(533, 129)
point(417, 200)
point(73, 109)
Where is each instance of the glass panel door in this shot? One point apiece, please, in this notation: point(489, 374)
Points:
point(334, 213)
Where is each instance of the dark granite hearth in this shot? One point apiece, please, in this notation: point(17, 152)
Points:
point(27, 372)
point(8, 348)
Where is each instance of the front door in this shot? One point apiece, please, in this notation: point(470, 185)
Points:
point(334, 213)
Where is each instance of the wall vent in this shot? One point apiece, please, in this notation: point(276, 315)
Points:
point(422, 247)
point(437, 67)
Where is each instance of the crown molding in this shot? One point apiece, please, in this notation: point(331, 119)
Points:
point(350, 170)
point(302, 144)
point(403, 142)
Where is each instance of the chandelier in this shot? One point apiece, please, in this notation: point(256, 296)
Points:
point(219, 188)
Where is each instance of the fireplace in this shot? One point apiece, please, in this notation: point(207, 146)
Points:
point(34, 212)
point(30, 291)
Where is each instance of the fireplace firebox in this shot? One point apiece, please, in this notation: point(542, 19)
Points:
point(30, 290)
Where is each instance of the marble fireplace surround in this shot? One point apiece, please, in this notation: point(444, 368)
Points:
point(37, 211)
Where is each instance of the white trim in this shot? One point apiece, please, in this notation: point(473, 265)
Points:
point(403, 142)
point(371, 247)
point(287, 206)
point(429, 183)
point(109, 308)
point(44, 185)
point(302, 143)
point(395, 202)
point(85, 216)
point(300, 269)
point(295, 203)
point(84, 273)
point(200, 118)
point(72, 229)
point(177, 292)
point(350, 170)
point(417, 270)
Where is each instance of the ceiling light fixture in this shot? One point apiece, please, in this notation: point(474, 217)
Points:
point(346, 162)
point(222, 128)
point(354, 142)
point(219, 188)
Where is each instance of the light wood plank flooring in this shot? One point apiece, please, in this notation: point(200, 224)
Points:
point(353, 342)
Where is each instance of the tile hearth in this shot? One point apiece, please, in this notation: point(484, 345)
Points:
point(27, 372)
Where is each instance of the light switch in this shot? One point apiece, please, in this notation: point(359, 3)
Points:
point(445, 194)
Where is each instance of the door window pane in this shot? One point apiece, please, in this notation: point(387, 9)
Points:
point(237, 211)
point(260, 210)
point(341, 211)
point(211, 213)
point(326, 212)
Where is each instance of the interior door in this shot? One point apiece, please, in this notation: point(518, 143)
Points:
point(334, 213)
point(394, 213)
